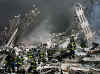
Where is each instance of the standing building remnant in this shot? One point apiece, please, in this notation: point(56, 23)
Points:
point(83, 23)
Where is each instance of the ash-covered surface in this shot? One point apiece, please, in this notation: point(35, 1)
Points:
point(35, 45)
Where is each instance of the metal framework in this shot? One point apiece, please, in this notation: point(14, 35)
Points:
point(83, 23)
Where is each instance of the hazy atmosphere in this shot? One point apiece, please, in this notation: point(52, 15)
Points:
point(55, 15)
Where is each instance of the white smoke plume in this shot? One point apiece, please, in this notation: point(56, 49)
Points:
point(41, 33)
point(95, 20)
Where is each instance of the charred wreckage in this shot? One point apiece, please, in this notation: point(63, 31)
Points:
point(61, 54)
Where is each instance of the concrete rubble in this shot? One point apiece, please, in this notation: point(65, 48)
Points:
point(53, 56)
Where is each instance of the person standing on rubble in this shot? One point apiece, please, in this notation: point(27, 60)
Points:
point(9, 60)
point(32, 68)
point(41, 56)
point(19, 60)
point(72, 47)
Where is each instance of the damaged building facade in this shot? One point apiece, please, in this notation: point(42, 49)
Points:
point(60, 54)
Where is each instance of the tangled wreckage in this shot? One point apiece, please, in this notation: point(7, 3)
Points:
point(61, 54)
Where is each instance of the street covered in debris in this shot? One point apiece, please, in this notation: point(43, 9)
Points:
point(60, 53)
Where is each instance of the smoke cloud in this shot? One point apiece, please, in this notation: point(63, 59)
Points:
point(96, 16)
point(56, 15)
point(9, 8)
point(40, 33)
point(95, 20)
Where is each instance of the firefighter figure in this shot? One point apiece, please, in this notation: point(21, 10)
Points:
point(72, 47)
point(33, 65)
point(19, 61)
point(42, 56)
point(9, 60)
point(32, 68)
point(9, 63)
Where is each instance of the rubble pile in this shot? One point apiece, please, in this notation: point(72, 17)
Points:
point(60, 54)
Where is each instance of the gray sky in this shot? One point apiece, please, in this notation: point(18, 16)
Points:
point(56, 9)
point(58, 12)
point(10, 8)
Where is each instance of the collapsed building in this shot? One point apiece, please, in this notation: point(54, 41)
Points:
point(83, 24)
point(57, 40)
